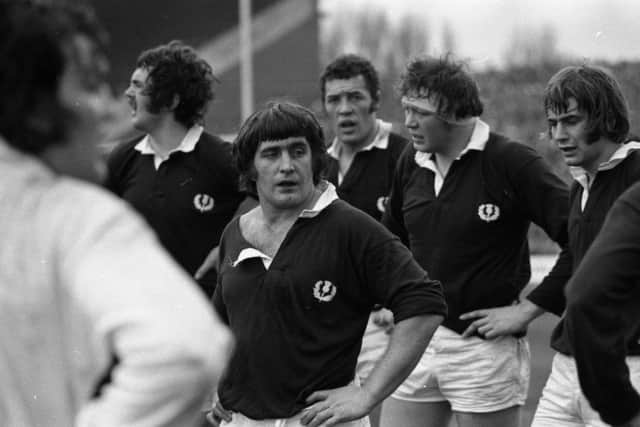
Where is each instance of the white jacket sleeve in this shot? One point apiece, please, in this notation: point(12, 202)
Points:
point(142, 308)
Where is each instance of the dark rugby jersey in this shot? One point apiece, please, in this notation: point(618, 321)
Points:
point(367, 183)
point(472, 236)
point(188, 201)
point(602, 312)
point(584, 225)
point(299, 325)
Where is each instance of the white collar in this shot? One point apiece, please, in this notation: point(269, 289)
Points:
point(248, 253)
point(187, 144)
point(326, 198)
point(580, 175)
point(477, 142)
point(380, 140)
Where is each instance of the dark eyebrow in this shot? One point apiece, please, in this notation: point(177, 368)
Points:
point(346, 92)
point(297, 144)
point(568, 116)
point(269, 147)
point(574, 112)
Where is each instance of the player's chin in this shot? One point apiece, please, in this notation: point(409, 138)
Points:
point(422, 146)
point(288, 201)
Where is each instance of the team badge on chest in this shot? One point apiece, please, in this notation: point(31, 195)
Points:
point(324, 290)
point(203, 202)
point(488, 212)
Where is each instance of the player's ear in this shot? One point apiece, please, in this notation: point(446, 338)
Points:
point(174, 102)
point(375, 104)
point(252, 174)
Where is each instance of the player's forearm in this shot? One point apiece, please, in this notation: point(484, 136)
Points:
point(407, 344)
point(549, 294)
point(530, 311)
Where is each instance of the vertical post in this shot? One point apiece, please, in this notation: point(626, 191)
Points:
point(246, 60)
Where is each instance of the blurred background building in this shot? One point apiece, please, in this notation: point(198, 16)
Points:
point(285, 42)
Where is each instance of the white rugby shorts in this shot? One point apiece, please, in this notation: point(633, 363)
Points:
point(473, 374)
point(562, 403)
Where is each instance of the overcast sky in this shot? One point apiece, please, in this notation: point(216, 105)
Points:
point(593, 29)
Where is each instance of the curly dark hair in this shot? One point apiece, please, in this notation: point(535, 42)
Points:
point(277, 121)
point(447, 80)
point(597, 94)
point(349, 66)
point(33, 39)
point(176, 70)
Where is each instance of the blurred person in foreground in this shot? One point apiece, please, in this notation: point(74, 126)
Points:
point(588, 120)
point(98, 326)
point(177, 175)
point(463, 199)
point(299, 277)
point(602, 321)
point(361, 162)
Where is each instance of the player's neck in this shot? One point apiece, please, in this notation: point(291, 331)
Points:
point(457, 141)
point(272, 216)
point(608, 148)
point(167, 136)
point(350, 150)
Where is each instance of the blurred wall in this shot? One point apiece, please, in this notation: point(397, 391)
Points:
point(286, 64)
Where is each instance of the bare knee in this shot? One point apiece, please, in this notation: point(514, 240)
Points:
point(396, 412)
point(509, 417)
